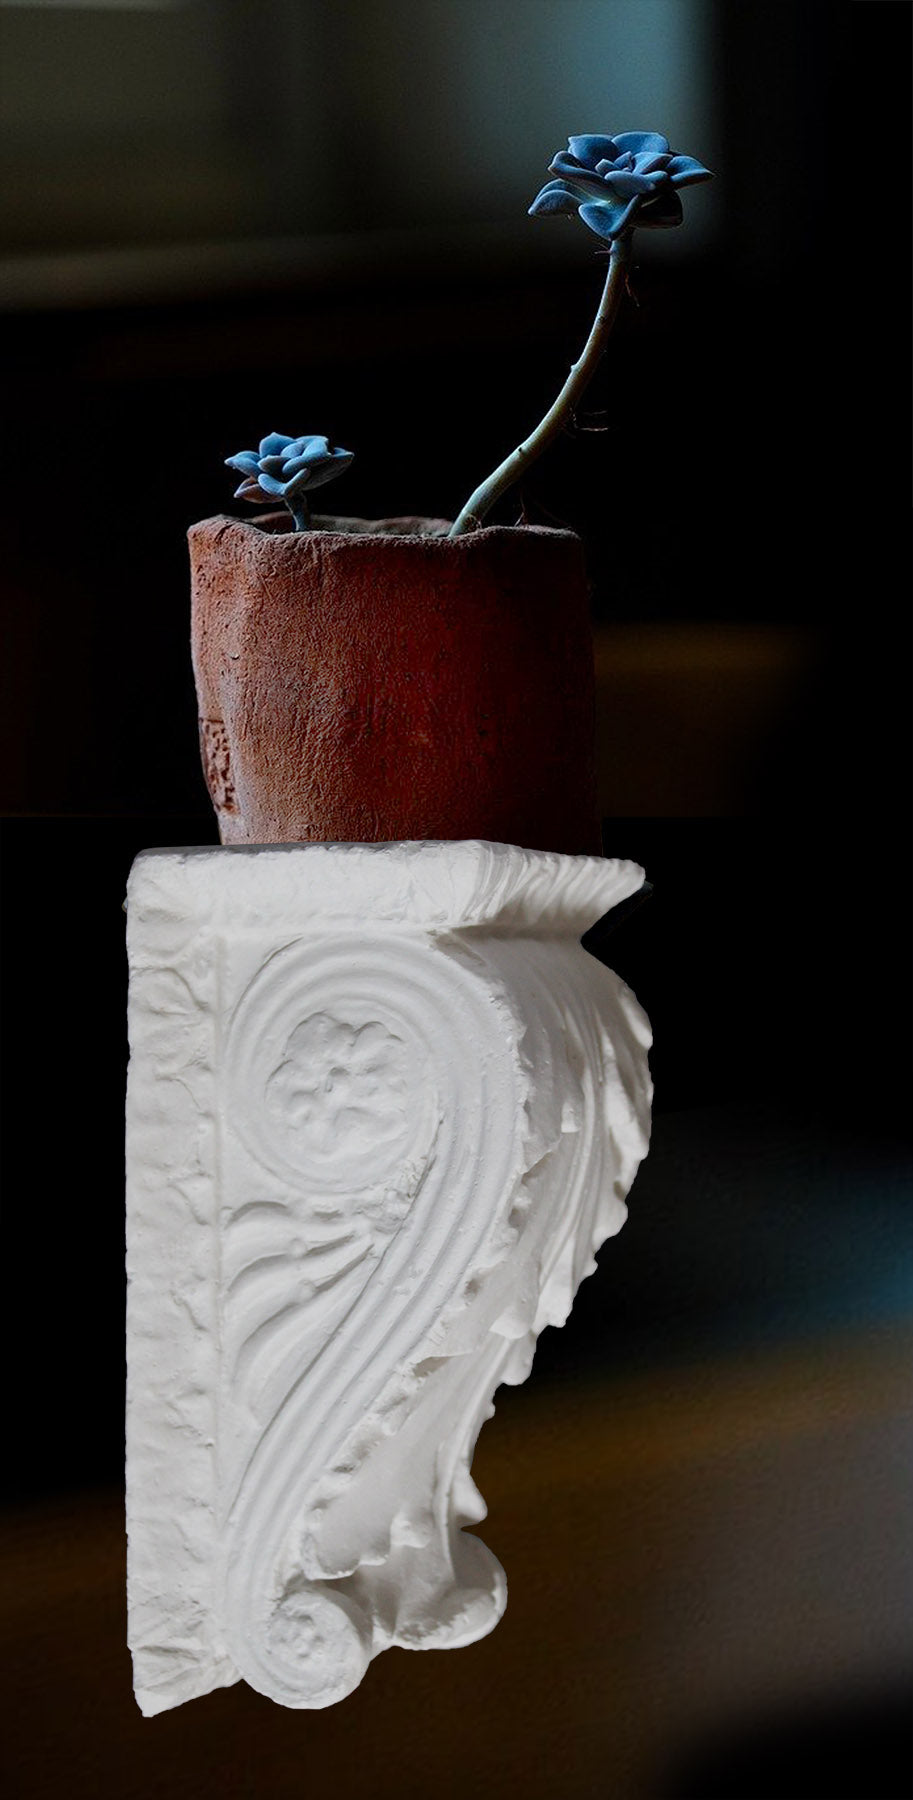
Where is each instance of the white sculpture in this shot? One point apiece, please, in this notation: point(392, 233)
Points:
point(382, 1108)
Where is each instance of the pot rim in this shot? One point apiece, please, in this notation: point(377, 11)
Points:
point(362, 534)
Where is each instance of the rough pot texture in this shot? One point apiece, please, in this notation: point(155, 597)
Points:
point(378, 680)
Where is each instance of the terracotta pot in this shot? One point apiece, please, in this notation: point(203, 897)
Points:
point(378, 680)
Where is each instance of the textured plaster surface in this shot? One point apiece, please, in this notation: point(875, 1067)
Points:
point(382, 1108)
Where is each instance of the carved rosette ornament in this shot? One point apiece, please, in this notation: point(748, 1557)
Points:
point(382, 1110)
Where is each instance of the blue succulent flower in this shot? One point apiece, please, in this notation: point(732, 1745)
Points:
point(286, 468)
point(615, 183)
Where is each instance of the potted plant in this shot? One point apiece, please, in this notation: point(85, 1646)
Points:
point(401, 678)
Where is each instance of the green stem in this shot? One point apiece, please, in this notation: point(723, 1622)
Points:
point(301, 512)
point(481, 502)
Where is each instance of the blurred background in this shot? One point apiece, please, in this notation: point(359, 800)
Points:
point(222, 217)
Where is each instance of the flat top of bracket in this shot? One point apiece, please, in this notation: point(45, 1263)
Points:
point(436, 886)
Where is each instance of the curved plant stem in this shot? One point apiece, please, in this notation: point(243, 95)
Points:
point(480, 503)
point(301, 512)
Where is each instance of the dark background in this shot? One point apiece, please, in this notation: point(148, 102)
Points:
point(749, 475)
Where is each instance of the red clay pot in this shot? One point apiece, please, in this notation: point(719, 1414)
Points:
point(378, 680)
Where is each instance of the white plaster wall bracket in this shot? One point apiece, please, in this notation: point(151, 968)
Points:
point(382, 1109)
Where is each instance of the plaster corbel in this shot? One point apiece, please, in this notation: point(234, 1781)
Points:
point(382, 1109)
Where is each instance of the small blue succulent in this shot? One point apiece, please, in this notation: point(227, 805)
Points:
point(286, 468)
point(615, 183)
